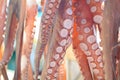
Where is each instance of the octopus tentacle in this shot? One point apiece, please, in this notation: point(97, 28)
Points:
point(28, 40)
point(19, 36)
point(81, 57)
point(87, 39)
point(5, 30)
point(9, 43)
point(61, 39)
point(8, 48)
point(45, 29)
point(11, 23)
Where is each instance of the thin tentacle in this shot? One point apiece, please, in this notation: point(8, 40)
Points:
point(19, 36)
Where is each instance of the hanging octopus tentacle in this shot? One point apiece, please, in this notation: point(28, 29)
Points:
point(6, 31)
point(9, 46)
point(45, 28)
point(28, 37)
point(80, 56)
point(21, 6)
point(3, 6)
point(110, 28)
point(9, 37)
point(9, 43)
point(60, 40)
point(87, 39)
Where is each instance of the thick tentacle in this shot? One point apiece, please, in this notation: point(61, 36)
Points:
point(28, 37)
point(87, 39)
point(80, 56)
point(59, 41)
point(3, 6)
point(45, 29)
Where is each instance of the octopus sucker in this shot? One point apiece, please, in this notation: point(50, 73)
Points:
point(28, 37)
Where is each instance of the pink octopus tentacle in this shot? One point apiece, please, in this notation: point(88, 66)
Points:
point(87, 39)
point(28, 37)
point(49, 13)
point(3, 7)
point(61, 39)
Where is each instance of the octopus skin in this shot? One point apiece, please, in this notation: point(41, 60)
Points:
point(28, 37)
point(45, 28)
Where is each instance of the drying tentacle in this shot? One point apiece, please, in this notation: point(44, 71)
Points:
point(49, 14)
point(28, 37)
point(60, 40)
point(87, 39)
point(80, 56)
